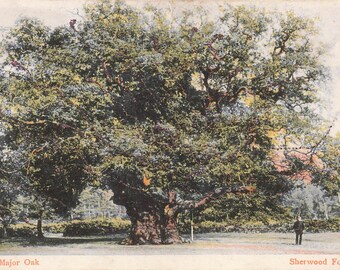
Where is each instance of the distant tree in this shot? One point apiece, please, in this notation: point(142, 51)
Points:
point(96, 202)
point(11, 182)
point(329, 176)
point(310, 201)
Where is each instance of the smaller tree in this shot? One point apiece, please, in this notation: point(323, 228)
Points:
point(309, 201)
point(12, 184)
point(96, 202)
point(329, 176)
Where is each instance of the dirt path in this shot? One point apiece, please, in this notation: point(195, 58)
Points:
point(211, 243)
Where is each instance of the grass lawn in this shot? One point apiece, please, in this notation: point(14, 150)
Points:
point(209, 243)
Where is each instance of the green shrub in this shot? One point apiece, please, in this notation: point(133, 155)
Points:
point(20, 230)
point(332, 225)
point(96, 227)
point(230, 226)
point(56, 227)
point(313, 226)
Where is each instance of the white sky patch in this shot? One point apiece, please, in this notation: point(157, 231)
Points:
point(59, 12)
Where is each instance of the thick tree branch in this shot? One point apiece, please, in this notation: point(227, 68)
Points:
point(217, 193)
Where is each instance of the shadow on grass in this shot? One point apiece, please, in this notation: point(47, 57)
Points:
point(59, 241)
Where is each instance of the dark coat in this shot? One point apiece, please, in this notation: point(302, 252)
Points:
point(298, 226)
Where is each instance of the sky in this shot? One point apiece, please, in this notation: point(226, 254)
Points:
point(59, 12)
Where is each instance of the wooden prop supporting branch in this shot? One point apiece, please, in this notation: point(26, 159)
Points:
point(212, 196)
point(192, 226)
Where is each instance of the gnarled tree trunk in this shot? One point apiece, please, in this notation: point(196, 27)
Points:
point(152, 225)
point(153, 221)
point(153, 215)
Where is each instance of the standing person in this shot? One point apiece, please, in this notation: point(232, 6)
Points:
point(298, 228)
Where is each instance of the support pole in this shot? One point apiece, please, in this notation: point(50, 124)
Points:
point(192, 225)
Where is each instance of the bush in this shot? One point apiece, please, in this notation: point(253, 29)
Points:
point(56, 227)
point(313, 226)
point(88, 227)
point(233, 226)
point(96, 227)
point(20, 230)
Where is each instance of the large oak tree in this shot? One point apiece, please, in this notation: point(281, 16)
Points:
point(168, 111)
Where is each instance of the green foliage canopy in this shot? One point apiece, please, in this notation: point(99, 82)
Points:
point(156, 104)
